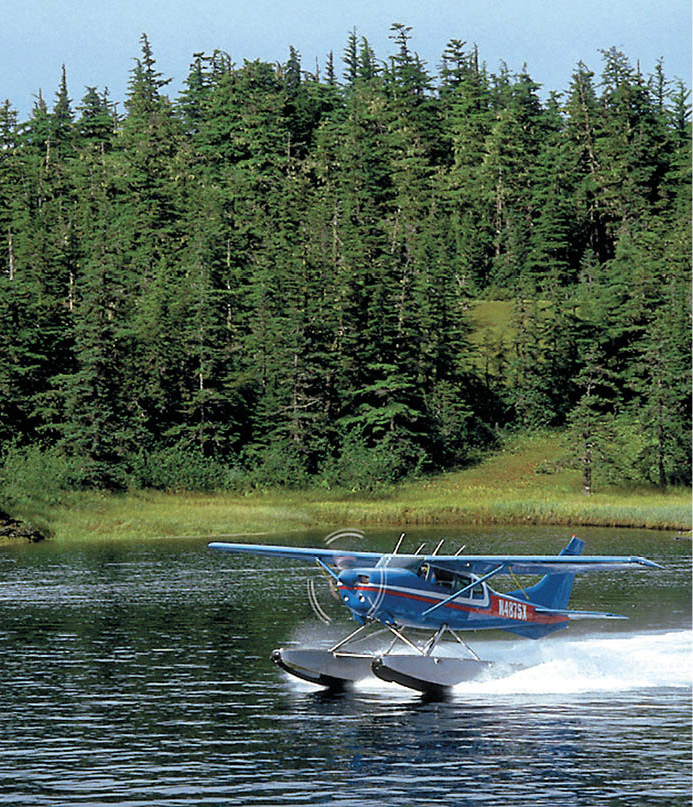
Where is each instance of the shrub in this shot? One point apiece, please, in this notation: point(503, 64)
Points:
point(281, 463)
point(180, 468)
point(35, 475)
point(361, 467)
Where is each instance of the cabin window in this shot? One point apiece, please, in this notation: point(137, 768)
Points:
point(452, 581)
point(427, 573)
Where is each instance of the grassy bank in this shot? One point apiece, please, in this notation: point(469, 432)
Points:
point(523, 484)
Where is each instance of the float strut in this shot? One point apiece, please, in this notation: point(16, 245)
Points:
point(350, 637)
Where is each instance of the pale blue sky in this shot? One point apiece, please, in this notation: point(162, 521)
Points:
point(98, 39)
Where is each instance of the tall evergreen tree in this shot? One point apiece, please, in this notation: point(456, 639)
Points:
point(279, 271)
point(465, 96)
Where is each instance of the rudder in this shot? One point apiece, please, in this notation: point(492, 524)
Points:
point(553, 590)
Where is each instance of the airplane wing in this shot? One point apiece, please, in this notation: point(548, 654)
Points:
point(341, 558)
point(477, 564)
point(540, 564)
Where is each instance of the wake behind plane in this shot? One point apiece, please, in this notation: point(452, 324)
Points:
point(440, 594)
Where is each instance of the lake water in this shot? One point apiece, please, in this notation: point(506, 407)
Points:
point(139, 674)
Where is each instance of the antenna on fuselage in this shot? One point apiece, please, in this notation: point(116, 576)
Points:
point(399, 543)
point(461, 550)
point(440, 543)
point(420, 547)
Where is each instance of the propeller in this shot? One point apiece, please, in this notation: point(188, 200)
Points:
point(318, 610)
point(319, 603)
point(339, 534)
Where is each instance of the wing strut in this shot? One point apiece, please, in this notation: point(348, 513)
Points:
point(326, 569)
point(464, 590)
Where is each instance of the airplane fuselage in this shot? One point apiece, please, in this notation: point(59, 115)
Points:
point(398, 596)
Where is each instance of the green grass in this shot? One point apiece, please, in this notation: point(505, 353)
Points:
point(491, 320)
point(522, 484)
point(514, 487)
point(494, 329)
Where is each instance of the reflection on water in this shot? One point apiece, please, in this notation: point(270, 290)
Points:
point(138, 674)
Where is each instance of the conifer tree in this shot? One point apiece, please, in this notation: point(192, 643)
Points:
point(146, 158)
point(465, 96)
point(277, 271)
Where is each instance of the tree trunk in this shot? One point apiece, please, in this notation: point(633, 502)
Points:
point(10, 246)
point(587, 466)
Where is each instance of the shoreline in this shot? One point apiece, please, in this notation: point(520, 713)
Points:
point(16, 530)
point(522, 484)
point(157, 514)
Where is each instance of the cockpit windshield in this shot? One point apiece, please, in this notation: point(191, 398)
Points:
point(411, 562)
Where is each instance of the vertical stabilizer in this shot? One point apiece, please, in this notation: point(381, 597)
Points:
point(553, 590)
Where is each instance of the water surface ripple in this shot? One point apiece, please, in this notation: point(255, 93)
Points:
point(138, 674)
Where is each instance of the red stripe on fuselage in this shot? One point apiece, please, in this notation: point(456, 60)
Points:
point(493, 609)
point(382, 590)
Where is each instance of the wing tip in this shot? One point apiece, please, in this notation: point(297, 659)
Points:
point(650, 564)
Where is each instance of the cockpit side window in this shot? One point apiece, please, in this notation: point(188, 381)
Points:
point(427, 573)
point(452, 581)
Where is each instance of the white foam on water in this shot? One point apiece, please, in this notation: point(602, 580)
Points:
point(587, 664)
point(564, 665)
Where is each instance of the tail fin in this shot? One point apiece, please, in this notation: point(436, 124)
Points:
point(553, 590)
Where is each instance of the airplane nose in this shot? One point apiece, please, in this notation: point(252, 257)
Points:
point(347, 586)
point(347, 577)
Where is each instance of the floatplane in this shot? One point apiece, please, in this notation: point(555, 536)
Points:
point(395, 593)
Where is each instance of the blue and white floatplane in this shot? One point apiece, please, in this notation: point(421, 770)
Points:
point(441, 594)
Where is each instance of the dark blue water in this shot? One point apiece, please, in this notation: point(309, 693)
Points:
point(138, 674)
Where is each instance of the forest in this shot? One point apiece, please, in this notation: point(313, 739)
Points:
point(271, 279)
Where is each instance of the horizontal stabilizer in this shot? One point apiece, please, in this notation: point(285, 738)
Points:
point(578, 614)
